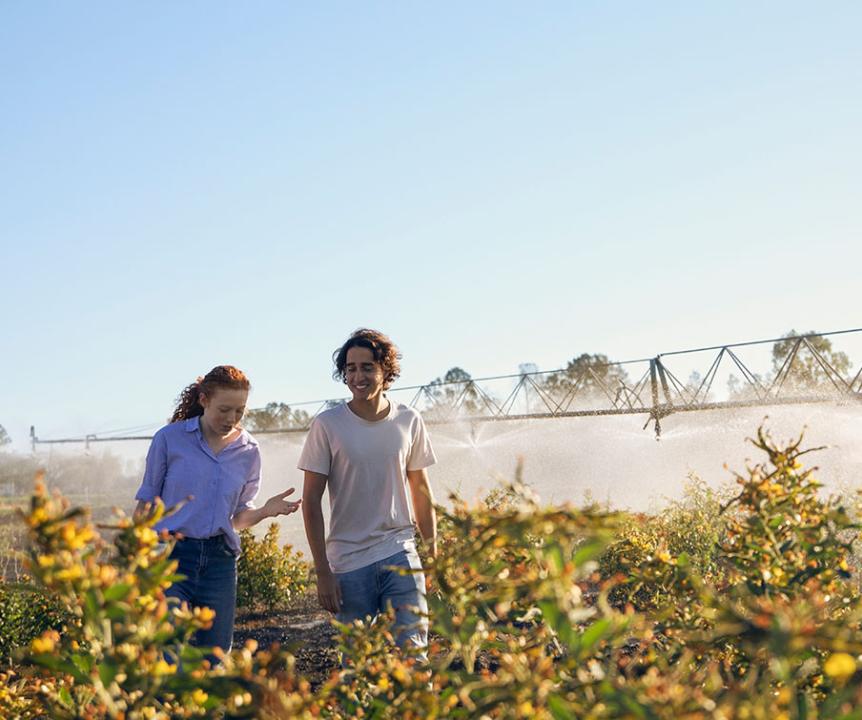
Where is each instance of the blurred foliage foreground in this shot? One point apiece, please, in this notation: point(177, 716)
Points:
point(746, 608)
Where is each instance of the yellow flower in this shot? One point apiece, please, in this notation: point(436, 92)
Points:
point(199, 696)
point(74, 536)
point(107, 574)
point(146, 535)
point(69, 574)
point(204, 614)
point(840, 666)
point(45, 643)
point(162, 668)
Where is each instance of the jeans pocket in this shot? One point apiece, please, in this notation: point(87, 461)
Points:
point(223, 549)
point(407, 559)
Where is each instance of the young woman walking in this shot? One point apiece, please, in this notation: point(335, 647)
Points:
point(204, 457)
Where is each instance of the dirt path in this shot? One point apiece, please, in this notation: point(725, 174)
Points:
point(303, 629)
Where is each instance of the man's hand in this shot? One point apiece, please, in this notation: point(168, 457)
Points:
point(328, 592)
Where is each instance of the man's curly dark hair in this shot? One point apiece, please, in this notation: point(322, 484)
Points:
point(382, 348)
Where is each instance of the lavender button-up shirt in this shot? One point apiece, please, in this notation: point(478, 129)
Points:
point(180, 463)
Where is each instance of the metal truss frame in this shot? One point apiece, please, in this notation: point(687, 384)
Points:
point(585, 391)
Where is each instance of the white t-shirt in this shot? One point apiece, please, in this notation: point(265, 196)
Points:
point(371, 516)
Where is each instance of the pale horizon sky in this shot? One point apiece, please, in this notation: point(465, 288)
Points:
point(183, 185)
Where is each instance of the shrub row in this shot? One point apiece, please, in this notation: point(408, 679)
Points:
point(747, 610)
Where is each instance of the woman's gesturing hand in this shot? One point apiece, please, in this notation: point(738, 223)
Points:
point(275, 506)
point(279, 505)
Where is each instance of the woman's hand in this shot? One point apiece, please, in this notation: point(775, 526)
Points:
point(275, 506)
point(279, 505)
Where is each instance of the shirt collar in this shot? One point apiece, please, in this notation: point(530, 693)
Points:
point(194, 425)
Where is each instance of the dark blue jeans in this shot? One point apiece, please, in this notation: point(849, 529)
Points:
point(209, 566)
point(369, 590)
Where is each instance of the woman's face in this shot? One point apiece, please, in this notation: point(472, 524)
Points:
point(363, 374)
point(223, 409)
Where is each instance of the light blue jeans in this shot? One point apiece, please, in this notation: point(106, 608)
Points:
point(369, 590)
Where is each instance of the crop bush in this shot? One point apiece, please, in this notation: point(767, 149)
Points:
point(120, 657)
point(758, 619)
point(268, 575)
point(26, 612)
point(690, 528)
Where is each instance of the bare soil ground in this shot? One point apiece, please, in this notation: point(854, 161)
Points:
point(303, 629)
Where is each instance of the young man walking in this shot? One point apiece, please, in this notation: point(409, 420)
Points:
point(372, 454)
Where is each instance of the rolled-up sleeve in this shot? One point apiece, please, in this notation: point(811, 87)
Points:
point(153, 483)
point(252, 486)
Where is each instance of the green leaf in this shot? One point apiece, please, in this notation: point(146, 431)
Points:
point(117, 612)
point(551, 613)
point(554, 556)
point(108, 671)
point(117, 592)
point(560, 709)
point(587, 551)
point(84, 663)
point(91, 603)
point(594, 633)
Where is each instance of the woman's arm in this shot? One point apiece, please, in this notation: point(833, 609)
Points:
point(275, 506)
point(155, 472)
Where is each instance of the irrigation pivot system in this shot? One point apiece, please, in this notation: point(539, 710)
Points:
point(794, 370)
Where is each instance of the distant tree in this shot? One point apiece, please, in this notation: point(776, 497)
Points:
point(276, 416)
point(455, 389)
point(18, 471)
point(739, 391)
point(4, 438)
point(805, 370)
point(533, 400)
point(587, 376)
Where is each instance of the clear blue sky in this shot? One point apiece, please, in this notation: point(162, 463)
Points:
point(187, 184)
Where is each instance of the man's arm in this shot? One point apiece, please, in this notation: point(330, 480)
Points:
point(328, 593)
point(423, 508)
point(275, 506)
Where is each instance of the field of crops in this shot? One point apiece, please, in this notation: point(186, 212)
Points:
point(739, 603)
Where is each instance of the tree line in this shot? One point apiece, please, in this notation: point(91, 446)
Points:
point(588, 376)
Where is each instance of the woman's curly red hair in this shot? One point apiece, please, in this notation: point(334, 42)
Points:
point(221, 376)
